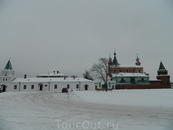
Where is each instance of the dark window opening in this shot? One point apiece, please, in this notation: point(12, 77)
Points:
point(32, 86)
point(15, 86)
point(68, 86)
point(24, 87)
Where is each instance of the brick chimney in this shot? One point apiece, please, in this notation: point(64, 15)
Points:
point(25, 76)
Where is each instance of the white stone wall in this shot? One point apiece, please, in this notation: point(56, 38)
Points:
point(48, 86)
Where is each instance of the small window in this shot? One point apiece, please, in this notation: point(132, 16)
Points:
point(77, 85)
point(32, 86)
point(24, 86)
point(45, 85)
point(6, 79)
point(68, 86)
point(55, 87)
point(15, 86)
point(3, 79)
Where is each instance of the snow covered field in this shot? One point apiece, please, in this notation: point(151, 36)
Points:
point(100, 110)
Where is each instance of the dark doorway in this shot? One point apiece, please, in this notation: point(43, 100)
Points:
point(86, 87)
point(41, 86)
point(3, 88)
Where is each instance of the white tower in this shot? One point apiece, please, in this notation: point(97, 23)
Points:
point(7, 75)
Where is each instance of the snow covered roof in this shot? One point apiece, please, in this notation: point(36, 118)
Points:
point(27, 80)
point(52, 74)
point(129, 75)
point(162, 75)
point(127, 66)
point(154, 80)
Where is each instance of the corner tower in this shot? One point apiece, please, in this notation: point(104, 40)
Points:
point(8, 70)
point(7, 75)
point(162, 74)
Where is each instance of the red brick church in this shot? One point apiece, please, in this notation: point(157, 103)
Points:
point(133, 76)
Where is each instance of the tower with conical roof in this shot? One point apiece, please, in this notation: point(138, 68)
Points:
point(8, 70)
point(8, 66)
point(162, 74)
point(162, 70)
point(7, 75)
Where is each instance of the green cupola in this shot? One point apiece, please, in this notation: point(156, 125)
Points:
point(162, 70)
point(8, 66)
point(161, 67)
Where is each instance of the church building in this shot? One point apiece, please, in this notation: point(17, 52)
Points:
point(134, 77)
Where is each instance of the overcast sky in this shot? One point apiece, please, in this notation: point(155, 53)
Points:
point(70, 35)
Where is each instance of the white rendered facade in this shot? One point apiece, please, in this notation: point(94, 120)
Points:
point(50, 84)
point(9, 83)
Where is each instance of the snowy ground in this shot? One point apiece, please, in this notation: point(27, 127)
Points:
point(119, 109)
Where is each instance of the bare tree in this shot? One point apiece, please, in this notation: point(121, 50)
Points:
point(87, 75)
point(100, 71)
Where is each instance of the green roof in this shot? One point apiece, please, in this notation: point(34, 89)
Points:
point(161, 67)
point(8, 66)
